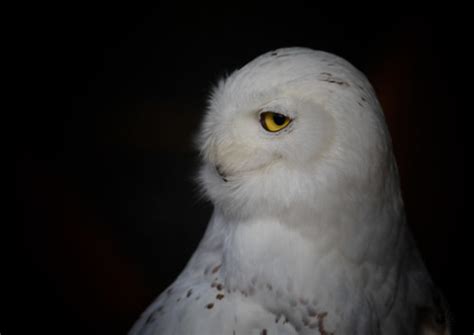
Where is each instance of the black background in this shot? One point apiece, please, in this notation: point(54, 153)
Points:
point(110, 97)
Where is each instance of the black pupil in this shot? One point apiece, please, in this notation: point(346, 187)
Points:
point(279, 119)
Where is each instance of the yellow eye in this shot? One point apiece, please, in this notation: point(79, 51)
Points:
point(274, 122)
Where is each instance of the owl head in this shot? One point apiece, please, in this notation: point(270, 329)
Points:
point(294, 127)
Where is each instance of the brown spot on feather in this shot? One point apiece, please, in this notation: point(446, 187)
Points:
point(328, 77)
point(321, 329)
point(150, 318)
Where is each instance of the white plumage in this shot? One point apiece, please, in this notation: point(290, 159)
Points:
point(308, 234)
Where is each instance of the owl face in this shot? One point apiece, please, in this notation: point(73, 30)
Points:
point(278, 129)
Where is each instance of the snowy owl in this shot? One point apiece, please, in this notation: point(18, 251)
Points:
point(308, 233)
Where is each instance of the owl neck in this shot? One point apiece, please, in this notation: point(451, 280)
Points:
point(307, 244)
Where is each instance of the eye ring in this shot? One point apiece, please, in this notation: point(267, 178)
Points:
point(274, 122)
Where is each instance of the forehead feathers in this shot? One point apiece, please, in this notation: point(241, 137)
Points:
point(286, 70)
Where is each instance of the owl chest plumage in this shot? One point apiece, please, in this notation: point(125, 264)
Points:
point(256, 276)
point(310, 281)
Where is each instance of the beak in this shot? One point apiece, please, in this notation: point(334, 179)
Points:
point(221, 173)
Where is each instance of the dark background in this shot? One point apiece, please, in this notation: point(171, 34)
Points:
point(110, 97)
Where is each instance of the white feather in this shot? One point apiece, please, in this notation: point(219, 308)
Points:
point(308, 235)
